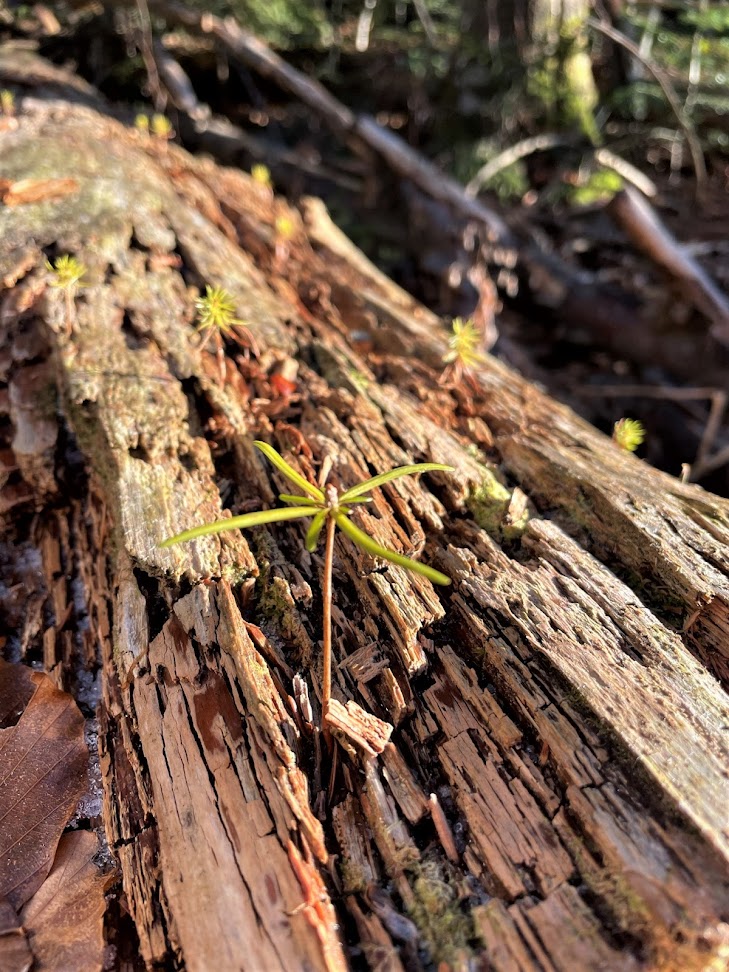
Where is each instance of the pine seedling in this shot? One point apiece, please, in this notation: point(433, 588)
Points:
point(329, 510)
point(628, 434)
point(67, 275)
point(464, 355)
point(216, 319)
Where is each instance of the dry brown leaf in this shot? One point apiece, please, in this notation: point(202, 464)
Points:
point(16, 689)
point(65, 918)
point(43, 762)
point(15, 954)
point(35, 190)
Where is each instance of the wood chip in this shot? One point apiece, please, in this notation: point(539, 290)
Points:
point(362, 728)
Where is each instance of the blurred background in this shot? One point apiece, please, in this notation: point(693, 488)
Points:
point(595, 134)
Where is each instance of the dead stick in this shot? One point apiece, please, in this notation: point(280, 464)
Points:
point(640, 222)
point(256, 55)
point(697, 156)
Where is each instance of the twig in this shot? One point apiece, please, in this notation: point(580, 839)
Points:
point(179, 85)
point(629, 172)
point(443, 829)
point(147, 52)
point(364, 26)
point(537, 143)
point(640, 222)
point(257, 56)
point(697, 156)
point(427, 22)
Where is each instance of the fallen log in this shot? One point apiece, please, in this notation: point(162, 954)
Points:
point(561, 701)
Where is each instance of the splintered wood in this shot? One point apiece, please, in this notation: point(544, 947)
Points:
point(532, 771)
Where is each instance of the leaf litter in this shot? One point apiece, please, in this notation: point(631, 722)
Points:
point(50, 875)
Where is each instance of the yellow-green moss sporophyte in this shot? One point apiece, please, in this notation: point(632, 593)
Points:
point(216, 318)
point(67, 275)
point(331, 509)
point(464, 356)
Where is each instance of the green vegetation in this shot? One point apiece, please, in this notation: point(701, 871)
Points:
point(67, 273)
point(629, 434)
point(327, 508)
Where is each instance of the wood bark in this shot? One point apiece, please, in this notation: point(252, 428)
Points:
point(554, 792)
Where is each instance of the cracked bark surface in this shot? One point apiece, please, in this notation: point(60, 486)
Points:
point(562, 701)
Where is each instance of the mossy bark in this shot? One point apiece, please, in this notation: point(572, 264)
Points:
point(561, 701)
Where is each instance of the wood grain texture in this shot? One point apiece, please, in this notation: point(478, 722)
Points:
point(562, 700)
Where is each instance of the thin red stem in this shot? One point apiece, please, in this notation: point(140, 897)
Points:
point(326, 690)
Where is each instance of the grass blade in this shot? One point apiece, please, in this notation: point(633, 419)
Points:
point(387, 477)
point(238, 523)
point(288, 471)
point(312, 536)
point(375, 550)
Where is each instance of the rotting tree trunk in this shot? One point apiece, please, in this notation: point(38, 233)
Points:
point(555, 792)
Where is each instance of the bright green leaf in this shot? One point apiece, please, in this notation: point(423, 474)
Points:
point(312, 536)
point(370, 484)
point(239, 523)
point(375, 550)
point(298, 500)
point(288, 471)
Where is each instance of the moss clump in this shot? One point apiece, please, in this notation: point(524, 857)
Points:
point(276, 604)
point(437, 912)
point(353, 878)
point(489, 504)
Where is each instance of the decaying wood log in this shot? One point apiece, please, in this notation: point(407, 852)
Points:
point(562, 700)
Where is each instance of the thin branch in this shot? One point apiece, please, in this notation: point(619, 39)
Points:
point(537, 143)
point(640, 222)
point(629, 172)
point(256, 55)
point(697, 156)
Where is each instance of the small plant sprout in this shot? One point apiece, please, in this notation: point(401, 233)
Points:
point(628, 434)
point(141, 123)
point(285, 230)
point(67, 275)
point(7, 102)
point(216, 317)
point(329, 509)
point(464, 354)
point(162, 128)
point(262, 177)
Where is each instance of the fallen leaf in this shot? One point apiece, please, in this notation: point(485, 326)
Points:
point(64, 920)
point(16, 690)
point(15, 953)
point(43, 761)
point(35, 190)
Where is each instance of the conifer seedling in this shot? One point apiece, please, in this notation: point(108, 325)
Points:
point(329, 509)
